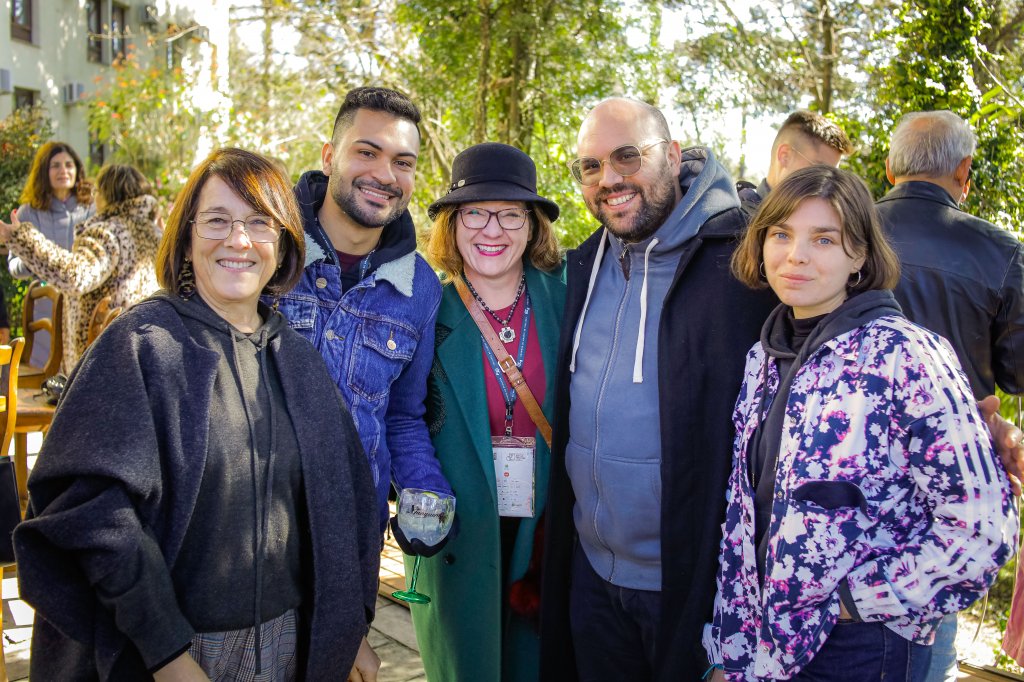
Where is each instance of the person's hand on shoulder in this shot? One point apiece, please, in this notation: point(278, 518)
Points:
point(1008, 441)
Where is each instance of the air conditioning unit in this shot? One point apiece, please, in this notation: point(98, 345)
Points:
point(149, 16)
point(5, 81)
point(72, 93)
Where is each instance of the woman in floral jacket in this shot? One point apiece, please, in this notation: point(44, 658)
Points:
point(112, 253)
point(865, 500)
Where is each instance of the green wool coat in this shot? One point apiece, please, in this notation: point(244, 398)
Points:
point(460, 633)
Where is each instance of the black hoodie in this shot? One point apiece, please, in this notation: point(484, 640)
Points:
point(778, 343)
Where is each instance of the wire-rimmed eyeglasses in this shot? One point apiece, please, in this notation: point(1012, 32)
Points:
point(218, 226)
point(625, 160)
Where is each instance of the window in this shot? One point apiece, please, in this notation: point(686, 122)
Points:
point(118, 26)
point(21, 19)
point(92, 9)
point(23, 99)
point(103, 28)
point(97, 152)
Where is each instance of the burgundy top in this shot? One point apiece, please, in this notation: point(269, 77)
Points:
point(533, 372)
point(347, 261)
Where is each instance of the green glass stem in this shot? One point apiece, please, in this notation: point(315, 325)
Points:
point(415, 573)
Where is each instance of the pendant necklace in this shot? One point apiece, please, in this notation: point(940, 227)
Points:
point(507, 334)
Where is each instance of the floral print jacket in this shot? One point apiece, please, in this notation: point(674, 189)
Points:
point(886, 479)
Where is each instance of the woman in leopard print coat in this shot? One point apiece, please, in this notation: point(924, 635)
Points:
point(112, 253)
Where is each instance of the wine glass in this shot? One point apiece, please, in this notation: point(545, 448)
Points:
point(425, 516)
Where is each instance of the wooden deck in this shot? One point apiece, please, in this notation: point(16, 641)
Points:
point(392, 571)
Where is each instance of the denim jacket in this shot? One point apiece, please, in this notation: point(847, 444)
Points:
point(377, 339)
point(886, 481)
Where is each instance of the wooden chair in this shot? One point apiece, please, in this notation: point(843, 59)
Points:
point(31, 376)
point(10, 357)
point(102, 315)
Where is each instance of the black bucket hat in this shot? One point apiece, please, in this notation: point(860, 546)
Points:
point(492, 171)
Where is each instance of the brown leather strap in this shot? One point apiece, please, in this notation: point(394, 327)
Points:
point(505, 361)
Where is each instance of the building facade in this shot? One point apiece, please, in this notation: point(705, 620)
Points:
point(56, 52)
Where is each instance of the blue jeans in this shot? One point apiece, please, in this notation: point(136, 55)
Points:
point(943, 665)
point(613, 628)
point(864, 652)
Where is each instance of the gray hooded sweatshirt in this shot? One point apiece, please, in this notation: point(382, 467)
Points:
point(613, 456)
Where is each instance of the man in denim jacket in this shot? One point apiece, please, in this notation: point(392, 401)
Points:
point(367, 300)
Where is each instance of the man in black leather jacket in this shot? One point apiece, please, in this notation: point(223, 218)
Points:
point(963, 277)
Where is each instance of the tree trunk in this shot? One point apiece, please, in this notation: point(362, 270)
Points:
point(483, 75)
point(827, 25)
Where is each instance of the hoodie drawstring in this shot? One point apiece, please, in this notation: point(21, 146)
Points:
point(586, 302)
point(261, 504)
point(638, 359)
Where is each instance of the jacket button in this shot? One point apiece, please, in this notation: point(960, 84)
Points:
point(449, 559)
point(321, 282)
point(329, 334)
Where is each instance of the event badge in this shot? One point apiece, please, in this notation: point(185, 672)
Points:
point(514, 474)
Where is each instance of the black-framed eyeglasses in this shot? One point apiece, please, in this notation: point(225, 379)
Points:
point(218, 226)
point(508, 218)
point(625, 160)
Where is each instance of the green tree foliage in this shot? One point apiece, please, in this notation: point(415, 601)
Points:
point(523, 73)
point(278, 108)
point(21, 133)
point(940, 59)
point(146, 114)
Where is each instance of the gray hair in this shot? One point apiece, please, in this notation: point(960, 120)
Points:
point(930, 143)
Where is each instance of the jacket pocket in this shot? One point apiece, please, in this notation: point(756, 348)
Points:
point(832, 495)
point(381, 353)
point(300, 311)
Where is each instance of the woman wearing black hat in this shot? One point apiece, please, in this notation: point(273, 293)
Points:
point(502, 269)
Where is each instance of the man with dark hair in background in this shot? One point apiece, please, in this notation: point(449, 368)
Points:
point(806, 138)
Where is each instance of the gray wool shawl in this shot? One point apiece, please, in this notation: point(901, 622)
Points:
point(123, 461)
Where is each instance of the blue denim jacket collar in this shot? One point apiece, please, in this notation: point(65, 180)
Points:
point(400, 272)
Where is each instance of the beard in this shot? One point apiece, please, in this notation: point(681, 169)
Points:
point(656, 204)
point(348, 201)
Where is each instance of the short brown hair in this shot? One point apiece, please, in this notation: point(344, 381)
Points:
point(542, 248)
point(120, 182)
point(258, 182)
point(37, 192)
point(861, 226)
point(818, 130)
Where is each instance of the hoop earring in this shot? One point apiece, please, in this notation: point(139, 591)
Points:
point(760, 269)
point(186, 281)
point(857, 283)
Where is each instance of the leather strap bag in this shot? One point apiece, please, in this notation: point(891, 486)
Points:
point(505, 361)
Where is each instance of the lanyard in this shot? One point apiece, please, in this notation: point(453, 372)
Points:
point(507, 392)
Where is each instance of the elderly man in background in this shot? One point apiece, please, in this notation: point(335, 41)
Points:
point(962, 277)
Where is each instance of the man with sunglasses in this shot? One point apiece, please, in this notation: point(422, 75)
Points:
point(962, 277)
point(806, 138)
point(650, 362)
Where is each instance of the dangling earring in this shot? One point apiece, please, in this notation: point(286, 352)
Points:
point(186, 280)
point(760, 268)
point(857, 283)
